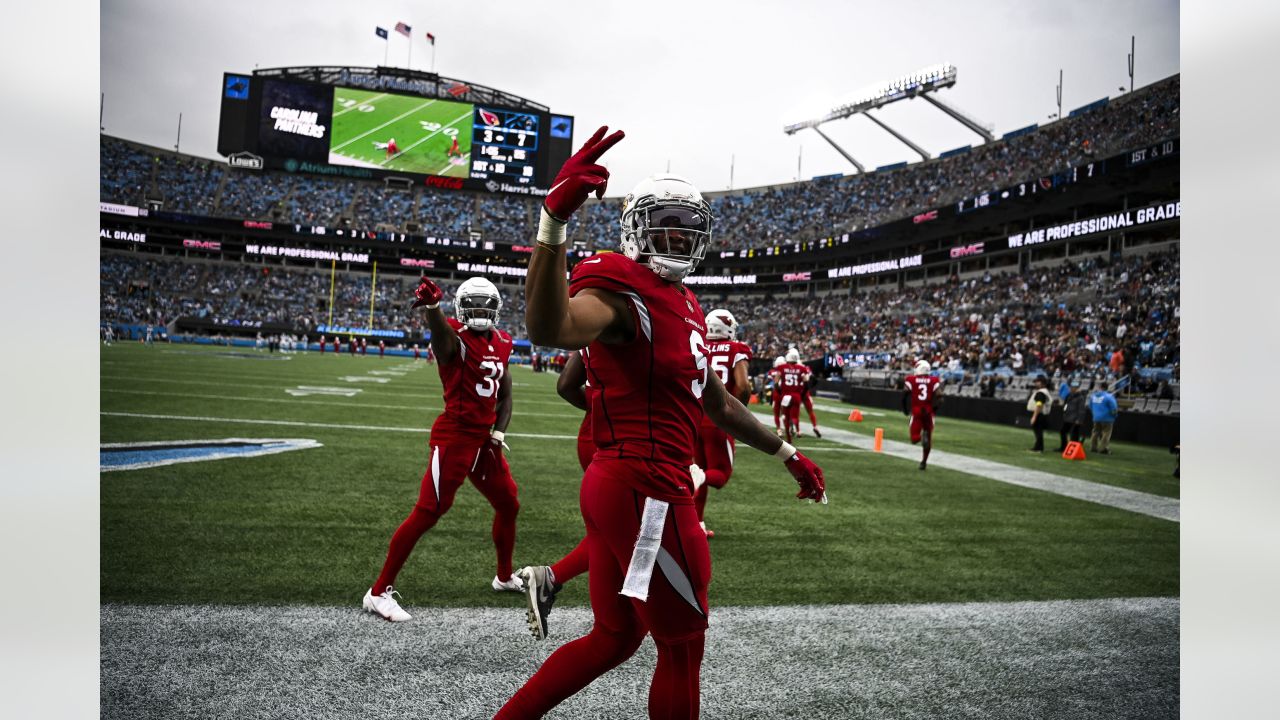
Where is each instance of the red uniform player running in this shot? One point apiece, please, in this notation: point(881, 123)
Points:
point(713, 455)
point(467, 438)
point(789, 381)
point(646, 340)
point(922, 395)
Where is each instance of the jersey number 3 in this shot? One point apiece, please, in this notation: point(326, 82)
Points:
point(489, 386)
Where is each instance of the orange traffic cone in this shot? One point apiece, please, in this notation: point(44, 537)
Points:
point(879, 439)
point(1074, 451)
point(855, 416)
point(753, 399)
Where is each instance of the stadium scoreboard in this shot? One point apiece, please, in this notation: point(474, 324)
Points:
point(330, 129)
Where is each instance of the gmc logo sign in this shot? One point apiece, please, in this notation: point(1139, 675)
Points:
point(796, 276)
point(967, 250)
point(925, 217)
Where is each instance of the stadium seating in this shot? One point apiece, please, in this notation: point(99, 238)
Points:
point(1063, 319)
point(757, 217)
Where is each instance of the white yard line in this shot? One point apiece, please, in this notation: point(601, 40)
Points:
point(1117, 497)
point(299, 423)
point(374, 130)
point(354, 404)
point(362, 102)
point(416, 144)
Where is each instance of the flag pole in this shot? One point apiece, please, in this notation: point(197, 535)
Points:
point(333, 271)
point(373, 293)
point(409, 63)
point(433, 56)
point(386, 44)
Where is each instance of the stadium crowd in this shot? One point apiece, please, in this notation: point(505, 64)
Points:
point(758, 217)
point(1070, 318)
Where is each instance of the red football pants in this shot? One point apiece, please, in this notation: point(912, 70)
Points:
point(675, 613)
point(714, 454)
point(449, 465)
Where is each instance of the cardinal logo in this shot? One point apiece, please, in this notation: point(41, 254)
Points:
point(489, 118)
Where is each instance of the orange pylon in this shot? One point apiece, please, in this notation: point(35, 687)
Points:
point(879, 446)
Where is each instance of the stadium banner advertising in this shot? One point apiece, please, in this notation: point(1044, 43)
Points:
point(126, 235)
point(1103, 223)
point(874, 268)
point(114, 209)
point(307, 253)
point(206, 245)
point(372, 332)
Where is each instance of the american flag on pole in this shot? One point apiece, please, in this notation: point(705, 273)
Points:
point(403, 29)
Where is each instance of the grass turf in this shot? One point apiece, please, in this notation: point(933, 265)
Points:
point(311, 527)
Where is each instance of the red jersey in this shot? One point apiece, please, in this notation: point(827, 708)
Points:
point(647, 402)
point(471, 381)
point(723, 355)
point(923, 389)
point(792, 378)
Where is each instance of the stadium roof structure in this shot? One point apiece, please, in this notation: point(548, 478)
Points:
point(413, 82)
point(918, 84)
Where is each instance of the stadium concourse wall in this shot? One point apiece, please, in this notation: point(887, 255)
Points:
point(1136, 427)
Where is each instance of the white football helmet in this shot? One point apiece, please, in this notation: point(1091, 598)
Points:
point(721, 325)
point(793, 355)
point(779, 361)
point(477, 304)
point(922, 367)
point(666, 225)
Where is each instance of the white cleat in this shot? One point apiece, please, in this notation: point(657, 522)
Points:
point(515, 584)
point(699, 477)
point(385, 605)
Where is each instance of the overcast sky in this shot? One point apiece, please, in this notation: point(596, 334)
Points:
point(695, 83)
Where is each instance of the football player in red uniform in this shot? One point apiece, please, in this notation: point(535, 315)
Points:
point(714, 452)
point(467, 438)
point(790, 377)
point(808, 405)
point(922, 397)
point(776, 394)
point(646, 340)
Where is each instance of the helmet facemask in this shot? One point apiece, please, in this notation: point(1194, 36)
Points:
point(670, 235)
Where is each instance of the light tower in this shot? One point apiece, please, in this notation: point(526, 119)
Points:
point(919, 84)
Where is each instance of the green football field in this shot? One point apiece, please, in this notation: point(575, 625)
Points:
point(424, 130)
point(310, 527)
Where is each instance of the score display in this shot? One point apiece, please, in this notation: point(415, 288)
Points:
point(302, 126)
point(506, 145)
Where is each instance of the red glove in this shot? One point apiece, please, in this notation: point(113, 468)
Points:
point(809, 477)
point(489, 459)
point(428, 293)
point(580, 176)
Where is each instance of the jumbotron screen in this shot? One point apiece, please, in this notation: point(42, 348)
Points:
point(350, 132)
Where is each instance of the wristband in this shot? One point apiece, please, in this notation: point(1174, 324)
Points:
point(550, 230)
point(498, 435)
point(785, 452)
